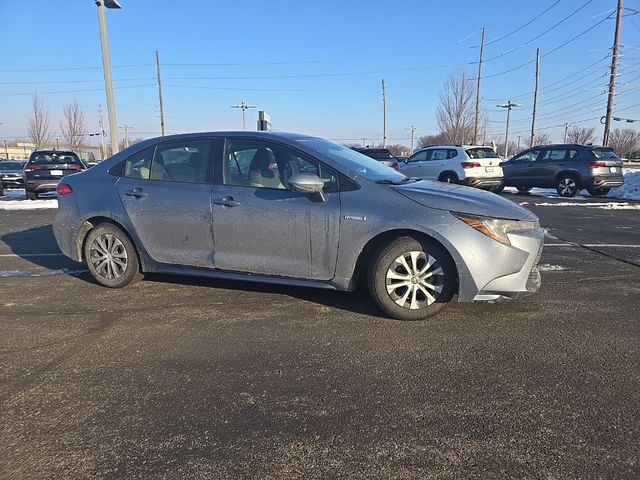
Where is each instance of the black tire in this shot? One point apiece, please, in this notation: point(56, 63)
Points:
point(448, 178)
point(498, 189)
point(31, 196)
point(524, 189)
point(410, 302)
point(122, 267)
point(598, 192)
point(567, 185)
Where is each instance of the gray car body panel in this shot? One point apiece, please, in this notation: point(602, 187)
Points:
point(356, 218)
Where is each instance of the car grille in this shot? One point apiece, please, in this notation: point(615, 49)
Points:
point(534, 280)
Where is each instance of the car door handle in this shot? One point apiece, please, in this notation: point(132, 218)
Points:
point(227, 201)
point(136, 192)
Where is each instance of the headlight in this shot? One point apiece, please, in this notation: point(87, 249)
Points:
point(497, 228)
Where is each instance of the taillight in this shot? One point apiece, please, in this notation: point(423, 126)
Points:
point(76, 167)
point(32, 168)
point(596, 164)
point(63, 189)
point(470, 164)
point(394, 165)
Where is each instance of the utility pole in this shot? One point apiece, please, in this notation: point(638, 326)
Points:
point(103, 134)
point(535, 99)
point(160, 94)
point(413, 130)
point(244, 106)
point(126, 128)
point(477, 117)
point(6, 150)
point(509, 105)
point(384, 114)
point(612, 77)
point(566, 129)
point(519, 137)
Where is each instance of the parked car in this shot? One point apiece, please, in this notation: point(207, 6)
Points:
point(296, 210)
point(566, 167)
point(11, 173)
point(45, 168)
point(383, 155)
point(474, 166)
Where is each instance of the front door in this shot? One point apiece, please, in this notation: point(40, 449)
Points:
point(261, 227)
point(519, 171)
point(166, 193)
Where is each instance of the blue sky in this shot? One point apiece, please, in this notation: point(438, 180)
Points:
point(315, 67)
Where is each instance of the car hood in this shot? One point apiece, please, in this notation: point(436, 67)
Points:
point(458, 198)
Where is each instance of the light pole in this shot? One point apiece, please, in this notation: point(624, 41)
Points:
point(509, 105)
point(244, 106)
point(413, 131)
point(106, 66)
point(6, 150)
point(126, 128)
point(566, 130)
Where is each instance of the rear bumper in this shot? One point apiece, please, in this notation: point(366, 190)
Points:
point(41, 186)
point(602, 181)
point(482, 182)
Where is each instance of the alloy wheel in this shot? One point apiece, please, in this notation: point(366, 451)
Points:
point(415, 280)
point(567, 187)
point(108, 256)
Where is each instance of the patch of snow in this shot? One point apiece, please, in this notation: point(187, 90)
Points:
point(17, 200)
point(605, 206)
point(48, 273)
point(630, 189)
point(551, 268)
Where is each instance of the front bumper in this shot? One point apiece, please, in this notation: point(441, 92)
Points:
point(12, 181)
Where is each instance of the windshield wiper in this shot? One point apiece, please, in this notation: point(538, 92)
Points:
point(388, 181)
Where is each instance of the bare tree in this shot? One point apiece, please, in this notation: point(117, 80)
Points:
point(456, 112)
point(580, 135)
point(427, 140)
point(38, 124)
point(399, 150)
point(74, 126)
point(538, 139)
point(624, 141)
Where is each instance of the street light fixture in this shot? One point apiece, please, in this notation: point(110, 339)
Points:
point(106, 66)
point(244, 106)
point(509, 105)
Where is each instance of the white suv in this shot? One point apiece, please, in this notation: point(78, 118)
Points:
point(475, 166)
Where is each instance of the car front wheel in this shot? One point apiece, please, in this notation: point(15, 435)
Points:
point(567, 186)
point(523, 189)
point(412, 279)
point(111, 257)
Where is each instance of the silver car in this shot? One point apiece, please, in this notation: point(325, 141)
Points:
point(296, 210)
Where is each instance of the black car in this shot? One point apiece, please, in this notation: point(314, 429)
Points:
point(45, 168)
point(11, 173)
point(566, 167)
point(383, 155)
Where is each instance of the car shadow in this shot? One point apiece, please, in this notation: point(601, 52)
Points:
point(38, 246)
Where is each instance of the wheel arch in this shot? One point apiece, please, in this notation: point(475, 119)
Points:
point(572, 173)
point(360, 270)
point(449, 172)
point(91, 223)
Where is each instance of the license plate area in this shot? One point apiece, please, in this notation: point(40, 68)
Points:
point(56, 173)
point(488, 169)
point(613, 169)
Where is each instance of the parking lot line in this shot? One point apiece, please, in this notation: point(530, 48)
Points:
point(5, 255)
point(591, 245)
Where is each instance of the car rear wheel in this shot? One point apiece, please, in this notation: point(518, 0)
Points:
point(448, 178)
point(524, 189)
point(111, 257)
point(567, 186)
point(412, 279)
point(598, 192)
point(498, 189)
point(31, 195)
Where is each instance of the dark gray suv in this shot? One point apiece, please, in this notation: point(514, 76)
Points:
point(566, 167)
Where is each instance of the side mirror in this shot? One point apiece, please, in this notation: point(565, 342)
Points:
point(307, 183)
point(406, 161)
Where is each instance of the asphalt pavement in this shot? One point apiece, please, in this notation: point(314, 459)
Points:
point(179, 377)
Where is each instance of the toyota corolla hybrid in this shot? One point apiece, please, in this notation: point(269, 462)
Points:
point(295, 210)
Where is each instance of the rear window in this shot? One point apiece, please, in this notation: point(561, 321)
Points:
point(605, 153)
point(51, 158)
point(379, 154)
point(482, 153)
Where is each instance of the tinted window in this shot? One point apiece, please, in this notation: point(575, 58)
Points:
point(555, 154)
point(528, 156)
point(605, 153)
point(418, 156)
point(139, 164)
point(52, 158)
point(379, 154)
point(439, 154)
point(185, 161)
point(253, 163)
point(482, 153)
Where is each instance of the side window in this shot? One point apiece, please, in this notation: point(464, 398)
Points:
point(573, 153)
point(418, 157)
point(184, 161)
point(139, 164)
point(451, 153)
point(252, 163)
point(528, 156)
point(555, 154)
point(439, 154)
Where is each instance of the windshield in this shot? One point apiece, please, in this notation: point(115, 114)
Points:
point(11, 165)
point(481, 153)
point(605, 153)
point(361, 164)
point(47, 158)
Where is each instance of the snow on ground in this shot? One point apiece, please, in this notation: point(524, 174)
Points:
point(630, 190)
point(545, 267)
point(16, 200)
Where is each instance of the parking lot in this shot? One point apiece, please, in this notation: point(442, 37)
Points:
point(193, 378)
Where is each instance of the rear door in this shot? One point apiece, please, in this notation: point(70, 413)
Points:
point(166, 193)
point(551, 161)
point(438, 162)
